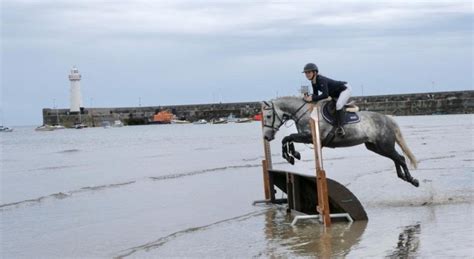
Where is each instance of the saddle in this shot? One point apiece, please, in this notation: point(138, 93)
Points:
point(350, 115)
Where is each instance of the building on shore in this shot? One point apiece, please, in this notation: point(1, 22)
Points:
point(456, 102)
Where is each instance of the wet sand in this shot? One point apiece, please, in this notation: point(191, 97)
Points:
point(186, 191)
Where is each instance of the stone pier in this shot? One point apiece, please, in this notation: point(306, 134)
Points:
point(456, 102)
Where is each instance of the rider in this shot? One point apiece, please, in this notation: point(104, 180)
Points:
point(328, 87)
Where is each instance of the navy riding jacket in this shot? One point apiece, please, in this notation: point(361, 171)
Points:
point(327, 87)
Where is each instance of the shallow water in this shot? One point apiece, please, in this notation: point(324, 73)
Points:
point(186, 190)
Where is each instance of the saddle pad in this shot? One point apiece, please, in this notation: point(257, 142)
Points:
point(329, 113)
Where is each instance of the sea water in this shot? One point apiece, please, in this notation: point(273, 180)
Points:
point(187, 191)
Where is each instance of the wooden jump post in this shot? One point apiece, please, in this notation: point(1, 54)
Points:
point(267, 165)
point(268, 184)
point(321, 182)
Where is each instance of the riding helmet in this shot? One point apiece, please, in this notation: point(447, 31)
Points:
point(310, 67)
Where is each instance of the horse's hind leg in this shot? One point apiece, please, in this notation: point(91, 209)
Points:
point(397, 158)
point(372, 147)
point(407, 172)
point(390, 152)
point(402, 162)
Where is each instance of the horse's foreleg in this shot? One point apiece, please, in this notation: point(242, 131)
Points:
point(286, 152)
point(293, 152)
point(288, 148)
point(306, 138)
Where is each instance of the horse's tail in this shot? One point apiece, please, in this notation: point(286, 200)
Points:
point(403, 145)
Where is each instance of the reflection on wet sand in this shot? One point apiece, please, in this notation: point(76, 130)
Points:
point(309, 238)
point(408, 242)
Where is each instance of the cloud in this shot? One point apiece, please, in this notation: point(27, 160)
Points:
point(40, 19)
point(176, 52)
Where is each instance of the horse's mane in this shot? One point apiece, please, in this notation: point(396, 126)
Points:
point(288, 98)
point(289, 102)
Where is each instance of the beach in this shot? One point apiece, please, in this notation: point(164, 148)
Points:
point(187, 191)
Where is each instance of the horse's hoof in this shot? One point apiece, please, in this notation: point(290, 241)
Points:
point(415, 182)
point(284, 152)
point(297, 155)
point(291, 160)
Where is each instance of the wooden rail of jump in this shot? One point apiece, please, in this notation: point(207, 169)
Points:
point(321, 182)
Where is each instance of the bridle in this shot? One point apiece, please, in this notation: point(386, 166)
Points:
point(285, 117)
point(275, 116)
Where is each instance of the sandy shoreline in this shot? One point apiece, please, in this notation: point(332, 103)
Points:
point(172, 191)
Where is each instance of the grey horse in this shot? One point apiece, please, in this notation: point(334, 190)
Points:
point(378, 132)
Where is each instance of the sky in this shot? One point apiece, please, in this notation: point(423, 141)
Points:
point(190, 52)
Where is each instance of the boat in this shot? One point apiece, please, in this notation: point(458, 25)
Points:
point(45, 127)
point(257, 117)
point(118, 123)
point(57, 125)
point(243, 120)
point(106, 124)
point(231, 118)
point(201, 121)
point(5, 129)
point(180, 122)
point(80, 126)
point(219, 121)
point(162, 117)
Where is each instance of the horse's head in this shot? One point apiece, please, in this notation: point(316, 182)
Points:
point(278, 111)
point(273, 117)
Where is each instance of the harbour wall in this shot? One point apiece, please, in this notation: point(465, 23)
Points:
point(456, 102)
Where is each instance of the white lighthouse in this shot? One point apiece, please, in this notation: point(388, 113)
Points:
point(76, 99)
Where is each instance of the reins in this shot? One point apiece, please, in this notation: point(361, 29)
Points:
point(301, 116)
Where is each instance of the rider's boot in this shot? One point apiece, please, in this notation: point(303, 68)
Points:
point(339, 122)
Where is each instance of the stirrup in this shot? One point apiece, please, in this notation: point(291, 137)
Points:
point(329, 137)
point(340, 132)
